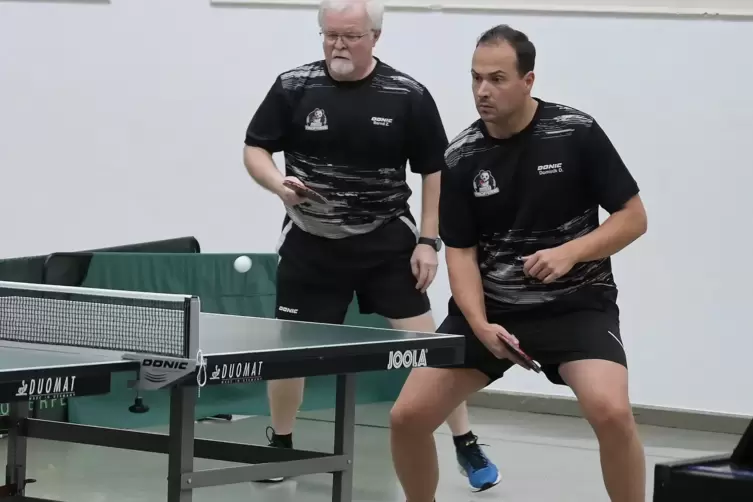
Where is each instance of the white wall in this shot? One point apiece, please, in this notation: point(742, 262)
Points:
point(103, 104)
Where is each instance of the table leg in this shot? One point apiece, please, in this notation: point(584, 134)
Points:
point(345, 421)
point(15, 469)
point(181, 442)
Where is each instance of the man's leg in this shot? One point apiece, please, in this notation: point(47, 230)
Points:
point(426, 400)
point(285, 398)
point(601, 387)
point(388, 288)
point(482, 474)
point(583, 349)
point(306, 290)
point(296, 303)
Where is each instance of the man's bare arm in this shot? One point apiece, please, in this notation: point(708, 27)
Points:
point(430, 205)
point(465, 284)
point(618, 231)
point(261, 166)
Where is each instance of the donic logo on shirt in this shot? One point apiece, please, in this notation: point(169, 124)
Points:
point(415, 358)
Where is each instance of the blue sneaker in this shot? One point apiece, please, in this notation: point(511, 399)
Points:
point(481, 472)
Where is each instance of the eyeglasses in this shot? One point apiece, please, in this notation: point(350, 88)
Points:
point(347, 38)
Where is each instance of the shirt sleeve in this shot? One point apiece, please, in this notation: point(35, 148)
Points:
point(609, 179)
point(270, 124)
point(457, 222)
point(428, 139)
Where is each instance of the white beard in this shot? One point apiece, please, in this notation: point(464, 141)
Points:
point(341, 66)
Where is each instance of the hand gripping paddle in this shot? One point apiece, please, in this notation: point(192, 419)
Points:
point(305, 191)
point(523, 358)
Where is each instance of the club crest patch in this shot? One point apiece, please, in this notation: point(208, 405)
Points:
point(484, 184)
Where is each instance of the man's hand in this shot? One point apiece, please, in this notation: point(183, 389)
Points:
point(491, 334)
point(424, 263)
point(288, 196)
point(548, 265)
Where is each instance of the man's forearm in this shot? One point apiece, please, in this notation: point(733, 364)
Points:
point(465, 285)
point(430, 205)
point(262, 168)
point(617, 232)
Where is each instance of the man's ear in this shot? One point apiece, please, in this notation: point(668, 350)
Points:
point(530, 78)
point(377, 34)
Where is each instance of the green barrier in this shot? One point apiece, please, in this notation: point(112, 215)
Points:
point(27, 269)
point(225, 291)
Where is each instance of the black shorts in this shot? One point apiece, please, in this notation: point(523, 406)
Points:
point(317, 277)
point(549, 339)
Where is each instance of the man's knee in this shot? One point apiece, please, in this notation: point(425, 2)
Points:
point(412, 417)
point(430, 395)
point(602, 391)
point(402, 416)
point(609, 414)
point(421, 407)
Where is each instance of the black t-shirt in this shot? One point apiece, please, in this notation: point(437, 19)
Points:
point(535, 190)
point(351, 142)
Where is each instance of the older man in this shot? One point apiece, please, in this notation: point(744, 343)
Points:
point(529, 262)
point(348, 125)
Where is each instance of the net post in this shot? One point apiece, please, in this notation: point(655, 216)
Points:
point(192, 313)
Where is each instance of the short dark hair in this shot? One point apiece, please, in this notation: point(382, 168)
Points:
point(524, 48)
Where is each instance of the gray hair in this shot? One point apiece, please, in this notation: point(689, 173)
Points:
point(374, 10)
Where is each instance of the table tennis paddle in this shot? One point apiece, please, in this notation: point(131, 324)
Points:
point(305, 191)
point(523, 358)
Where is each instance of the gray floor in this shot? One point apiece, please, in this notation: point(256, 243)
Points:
point(542, 458)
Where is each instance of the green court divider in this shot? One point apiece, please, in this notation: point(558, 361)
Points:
point(26, 269)
point(222, 290)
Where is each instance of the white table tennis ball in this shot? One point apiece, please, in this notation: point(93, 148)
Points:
point(242, 264)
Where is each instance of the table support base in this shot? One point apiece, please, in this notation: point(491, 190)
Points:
point(182, 447)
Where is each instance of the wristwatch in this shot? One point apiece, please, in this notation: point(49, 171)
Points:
point(434, 243)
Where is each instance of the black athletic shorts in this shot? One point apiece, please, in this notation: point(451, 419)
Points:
point(550, 339)
point(317, 277)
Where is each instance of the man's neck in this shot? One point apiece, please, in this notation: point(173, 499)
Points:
point(515, 122)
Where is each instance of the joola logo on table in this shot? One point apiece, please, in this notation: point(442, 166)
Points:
point(415, 358)
point(43, 388)
point(237, 372)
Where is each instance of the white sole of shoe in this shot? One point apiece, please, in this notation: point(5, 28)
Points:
point(486, 486)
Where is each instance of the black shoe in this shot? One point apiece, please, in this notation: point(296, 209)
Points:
point(276, 441)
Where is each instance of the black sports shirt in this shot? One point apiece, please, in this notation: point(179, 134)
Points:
point(351, 142)
point(536, 190)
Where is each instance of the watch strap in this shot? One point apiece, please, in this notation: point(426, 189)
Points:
point(429, 242)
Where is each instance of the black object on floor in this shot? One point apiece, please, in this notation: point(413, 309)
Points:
point(721, 478)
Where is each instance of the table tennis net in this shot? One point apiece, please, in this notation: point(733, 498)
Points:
point(122, 321)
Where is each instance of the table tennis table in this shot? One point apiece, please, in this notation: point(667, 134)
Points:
point(59, 341)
